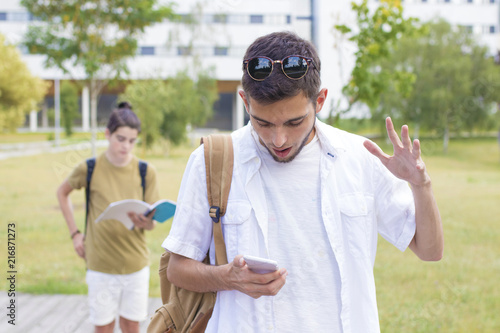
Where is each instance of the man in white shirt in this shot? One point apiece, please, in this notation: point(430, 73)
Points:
point(311, 197)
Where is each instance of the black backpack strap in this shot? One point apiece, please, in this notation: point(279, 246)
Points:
point(90, 170)
point(143, 169)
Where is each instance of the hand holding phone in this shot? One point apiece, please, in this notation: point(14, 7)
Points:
point(260, 265)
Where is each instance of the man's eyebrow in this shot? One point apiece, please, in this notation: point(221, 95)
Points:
point(288, 121)
point(259, 119)
point(297, 119)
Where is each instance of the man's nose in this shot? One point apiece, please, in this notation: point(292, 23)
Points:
point(279, 138)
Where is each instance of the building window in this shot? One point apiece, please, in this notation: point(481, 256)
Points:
point(187, 18)
point(237, 19)
point(289, 19)
point(183, 50)
point(492, 29)
point(19, 16)
point(467, 28)
point(147, 50)
point(3, 16)
point(220, 51)
point(220, 18)
point(31, 17)
point(257, 19)
point(470, 1)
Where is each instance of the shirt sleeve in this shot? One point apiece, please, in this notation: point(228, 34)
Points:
point(191, 232)
point(395, 208)
point(78, 177)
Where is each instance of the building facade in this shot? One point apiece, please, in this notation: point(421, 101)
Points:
point(225, 29)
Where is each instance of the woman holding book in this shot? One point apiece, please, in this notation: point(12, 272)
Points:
point(117, 258)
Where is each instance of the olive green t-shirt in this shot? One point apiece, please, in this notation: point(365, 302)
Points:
point(109, 246)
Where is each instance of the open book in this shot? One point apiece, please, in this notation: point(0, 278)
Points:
point(118, 210)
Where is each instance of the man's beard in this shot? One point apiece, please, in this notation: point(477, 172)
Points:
point(302, 145)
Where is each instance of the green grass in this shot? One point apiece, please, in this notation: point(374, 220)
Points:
point(40, 137)
point(458, 294)
point(45, 259)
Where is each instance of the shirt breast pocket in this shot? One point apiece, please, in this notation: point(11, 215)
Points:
point(356, 214)
point(236, 229)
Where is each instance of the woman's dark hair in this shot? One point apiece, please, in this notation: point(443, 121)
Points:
point(123, 115)
point(277, 86)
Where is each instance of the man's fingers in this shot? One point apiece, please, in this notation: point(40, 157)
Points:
point(373, 148)
point(416, 148)
point(393, 136)
point(239, 261)
point(405, 137)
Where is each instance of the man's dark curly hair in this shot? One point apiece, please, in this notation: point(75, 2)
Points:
point(277, 86)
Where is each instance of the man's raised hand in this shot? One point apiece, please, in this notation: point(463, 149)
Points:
point(406, 163)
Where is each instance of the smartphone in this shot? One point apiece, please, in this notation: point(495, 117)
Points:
point(261, 265)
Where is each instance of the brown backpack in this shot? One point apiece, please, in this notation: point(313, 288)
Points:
point(184, 310)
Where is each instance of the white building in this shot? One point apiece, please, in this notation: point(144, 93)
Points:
point(229, 26)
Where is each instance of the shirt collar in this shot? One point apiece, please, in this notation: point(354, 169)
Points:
point(327, 135)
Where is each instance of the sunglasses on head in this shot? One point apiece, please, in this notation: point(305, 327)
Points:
point(294, 66)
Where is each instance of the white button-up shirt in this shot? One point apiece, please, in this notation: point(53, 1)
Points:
point(360, 199)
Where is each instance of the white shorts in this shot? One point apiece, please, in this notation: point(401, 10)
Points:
point(118, 294)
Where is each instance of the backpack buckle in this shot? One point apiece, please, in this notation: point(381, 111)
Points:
point(214, 213)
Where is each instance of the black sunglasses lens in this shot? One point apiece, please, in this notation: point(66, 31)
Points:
point(259, 68)
point(295, 67)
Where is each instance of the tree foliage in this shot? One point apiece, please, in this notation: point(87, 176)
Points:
point(20, 91)
point(454, 81)
point(69, 106)
point(91, 37)
point(166, 107)
point(375, 35)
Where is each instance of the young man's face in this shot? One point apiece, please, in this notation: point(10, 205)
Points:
point(284, 127)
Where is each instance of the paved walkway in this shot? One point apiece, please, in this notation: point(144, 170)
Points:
point(54, 314)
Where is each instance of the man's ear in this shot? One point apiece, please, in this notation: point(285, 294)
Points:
point(245, 100)
point(321, 99)
point(107, 134)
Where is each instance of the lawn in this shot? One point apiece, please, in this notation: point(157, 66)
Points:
point(458, 294)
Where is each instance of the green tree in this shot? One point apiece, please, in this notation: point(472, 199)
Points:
point(69, 106)
point(94, 37)
point(20, 91)
point(453, 83)
point(375, 35)
point(166, 107)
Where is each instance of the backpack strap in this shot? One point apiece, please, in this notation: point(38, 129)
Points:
point(90, 171)
point(218, 149)
point(143, 169)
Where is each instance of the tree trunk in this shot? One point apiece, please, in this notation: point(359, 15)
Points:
point(446, 139)
point(93, 115)
point(45, 117)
